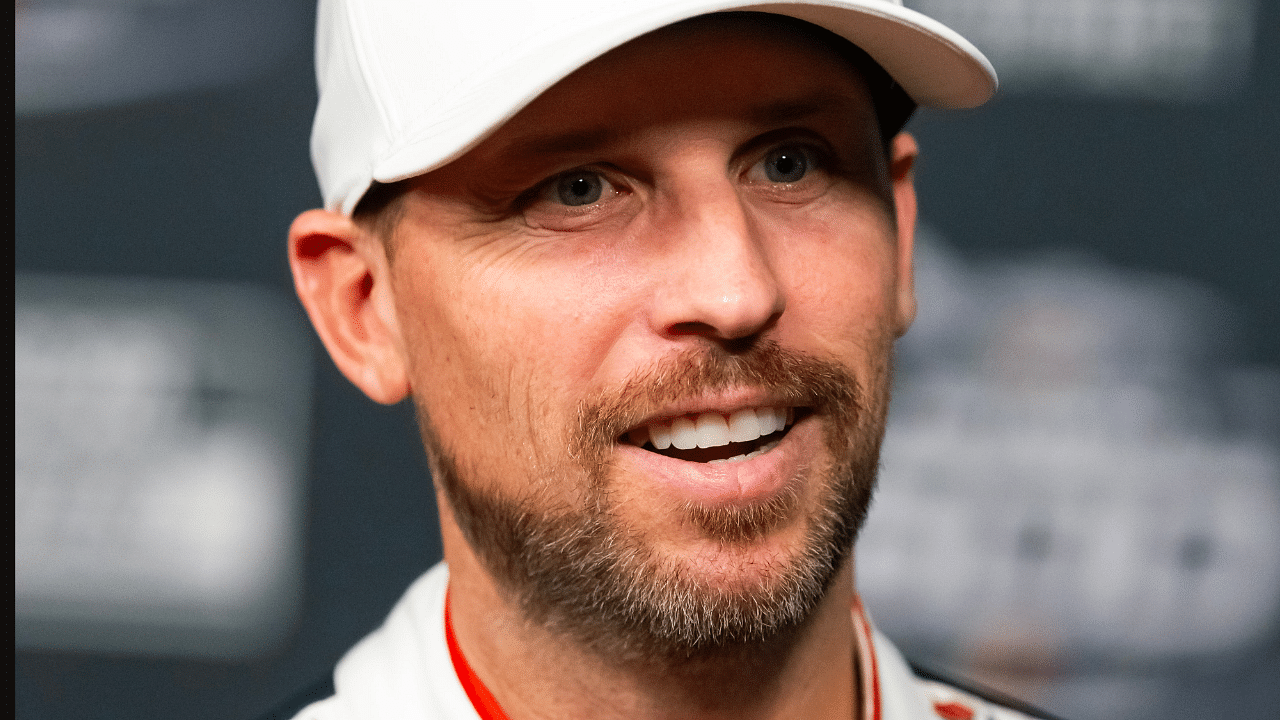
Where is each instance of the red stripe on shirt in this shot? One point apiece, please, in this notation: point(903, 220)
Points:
point(867, 660)
point(481, 699)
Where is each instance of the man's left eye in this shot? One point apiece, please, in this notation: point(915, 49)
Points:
point(579, 188)
point(794, 172)
point(787, 164)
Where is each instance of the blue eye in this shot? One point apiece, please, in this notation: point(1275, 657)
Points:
point(581, 188)
point(786, 165)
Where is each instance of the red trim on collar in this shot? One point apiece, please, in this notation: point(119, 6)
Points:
point(953, 710)
point(487, 706)
point(866, 662)
point(481, 699)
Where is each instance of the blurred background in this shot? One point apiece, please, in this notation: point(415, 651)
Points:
point(1080, 501)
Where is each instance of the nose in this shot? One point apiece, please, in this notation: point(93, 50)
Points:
point(719, 282)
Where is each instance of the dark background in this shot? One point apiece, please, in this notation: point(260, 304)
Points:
point(204, 185)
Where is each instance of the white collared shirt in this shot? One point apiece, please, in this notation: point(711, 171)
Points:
point(402, 671)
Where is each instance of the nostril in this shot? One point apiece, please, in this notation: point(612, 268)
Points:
point(734, 344)
point(691, 328)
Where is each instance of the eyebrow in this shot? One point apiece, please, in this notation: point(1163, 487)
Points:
point(790, 111)
point(557, 143)
point(588, 139)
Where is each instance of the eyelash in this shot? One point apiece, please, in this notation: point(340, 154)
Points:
point(535, 193)
point(818, 155)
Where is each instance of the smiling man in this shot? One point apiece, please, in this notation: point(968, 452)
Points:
point(640, 267)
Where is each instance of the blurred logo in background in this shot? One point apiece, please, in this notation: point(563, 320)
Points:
point(160, 443)
point(1179, 50)
point(1081, 482)
point(75, 54)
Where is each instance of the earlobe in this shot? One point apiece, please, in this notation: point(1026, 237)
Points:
point(342, 277)
point(902, 161)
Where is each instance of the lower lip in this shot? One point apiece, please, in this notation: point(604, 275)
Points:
point(728, 483)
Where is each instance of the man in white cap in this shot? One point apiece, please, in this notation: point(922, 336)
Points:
point(640, 265)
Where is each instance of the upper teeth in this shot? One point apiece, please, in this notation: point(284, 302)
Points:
point(713, 429)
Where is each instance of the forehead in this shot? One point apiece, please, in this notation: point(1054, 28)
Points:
point(713, 56)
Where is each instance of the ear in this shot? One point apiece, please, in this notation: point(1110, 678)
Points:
point(342, 276)
point(902, 161)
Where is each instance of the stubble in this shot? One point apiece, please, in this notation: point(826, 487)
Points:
point(581, 572)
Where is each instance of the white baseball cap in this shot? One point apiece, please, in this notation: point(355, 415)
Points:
point(407, 86)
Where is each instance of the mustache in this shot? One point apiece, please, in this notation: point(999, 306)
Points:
point(797, 379)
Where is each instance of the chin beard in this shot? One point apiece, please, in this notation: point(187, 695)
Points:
point(581, 573)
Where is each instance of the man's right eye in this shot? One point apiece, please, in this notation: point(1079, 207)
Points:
point(572, 201)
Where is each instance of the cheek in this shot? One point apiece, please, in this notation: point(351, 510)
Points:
point(840, 270)
point(503, 349)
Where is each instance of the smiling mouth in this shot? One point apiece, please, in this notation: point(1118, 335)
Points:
point(713, 437)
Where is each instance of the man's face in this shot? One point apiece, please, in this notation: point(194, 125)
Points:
point(687, 241)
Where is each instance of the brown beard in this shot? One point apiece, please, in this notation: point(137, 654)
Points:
point(580, 572)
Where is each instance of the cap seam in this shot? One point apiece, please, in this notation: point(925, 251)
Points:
point(377, 90)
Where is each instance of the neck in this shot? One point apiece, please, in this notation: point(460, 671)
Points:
point(535, 673)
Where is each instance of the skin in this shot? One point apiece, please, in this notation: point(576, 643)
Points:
point(503, 309)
